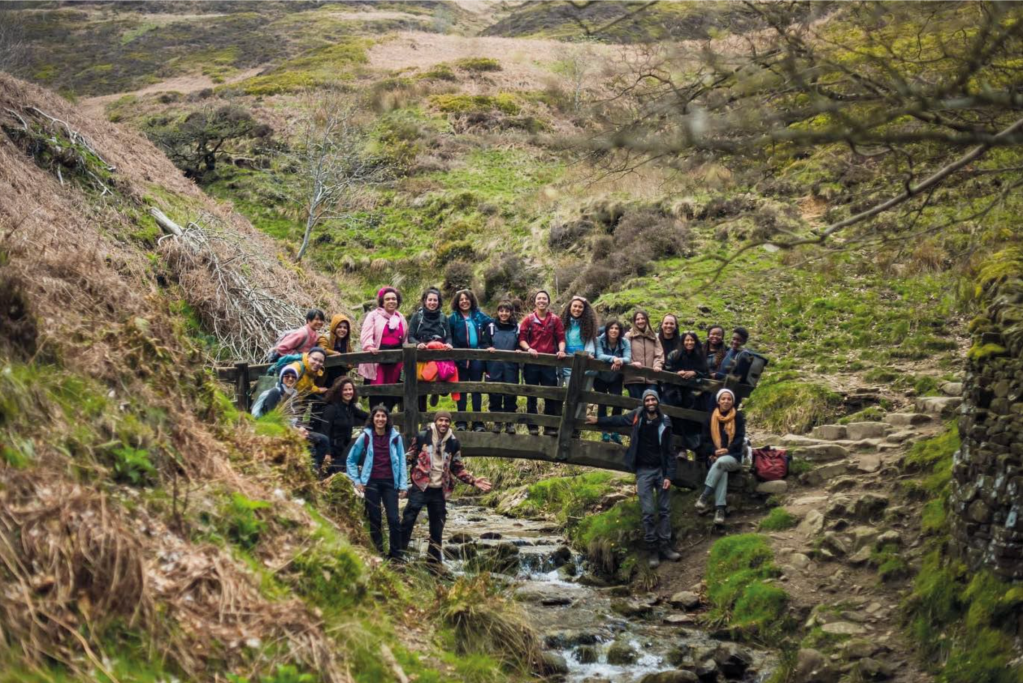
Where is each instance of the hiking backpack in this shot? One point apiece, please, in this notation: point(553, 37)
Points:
point(273, 355)
point(278, 365)
point(770, 464)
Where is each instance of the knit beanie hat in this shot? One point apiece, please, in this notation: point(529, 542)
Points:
point(724, 391)
point(288, 370)
point(442, 413)
point(651, 392)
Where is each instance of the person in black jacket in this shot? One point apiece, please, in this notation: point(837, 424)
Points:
point(651, 457)
point(429, 324)
point(502, 335)
point(340, 417)
point(727, 431)
point(688, 361)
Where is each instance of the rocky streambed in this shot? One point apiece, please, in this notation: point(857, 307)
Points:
point(593, 632)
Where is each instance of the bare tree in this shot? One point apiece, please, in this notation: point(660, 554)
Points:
point(925, 93)
point(333, 161)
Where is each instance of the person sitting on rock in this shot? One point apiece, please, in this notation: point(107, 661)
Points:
point(727, 431)
point(438, 459)
point(652, 458)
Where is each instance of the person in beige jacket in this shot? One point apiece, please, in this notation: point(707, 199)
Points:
point(646, 353)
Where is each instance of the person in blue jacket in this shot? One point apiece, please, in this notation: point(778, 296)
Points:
point(615, 350)
point(467, 322)
point(376, 465)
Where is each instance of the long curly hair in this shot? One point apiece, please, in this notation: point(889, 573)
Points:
point(587, 321)
point(333, 394)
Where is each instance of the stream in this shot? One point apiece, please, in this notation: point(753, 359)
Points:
point(602, 633)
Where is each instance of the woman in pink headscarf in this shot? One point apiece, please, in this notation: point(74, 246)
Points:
point(383, 329)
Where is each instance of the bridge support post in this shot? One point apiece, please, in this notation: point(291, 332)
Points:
point(411, 396)
point(241, 387)
point(573, 392)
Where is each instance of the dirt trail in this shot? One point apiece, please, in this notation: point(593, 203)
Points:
point(95, 106)
point(845, 505)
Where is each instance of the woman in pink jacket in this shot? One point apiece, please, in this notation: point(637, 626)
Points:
point(383, 329)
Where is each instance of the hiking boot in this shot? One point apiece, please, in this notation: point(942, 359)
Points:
point(667, 553)
point(478, 427)
point(550, 432)
point(509, 428)
point(434, 399)
point(654, 561)
point(702, 505)
point(460, 426)
point(719, 516)
point(534, 430)
point(496, 428)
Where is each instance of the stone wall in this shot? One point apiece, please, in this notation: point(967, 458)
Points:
point(987, 475)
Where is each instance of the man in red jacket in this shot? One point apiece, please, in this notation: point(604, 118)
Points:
point(542, 332)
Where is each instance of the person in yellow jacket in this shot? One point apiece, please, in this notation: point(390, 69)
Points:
point(311, 373)
point(338, 340)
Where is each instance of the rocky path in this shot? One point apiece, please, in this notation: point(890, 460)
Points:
point(848, 506)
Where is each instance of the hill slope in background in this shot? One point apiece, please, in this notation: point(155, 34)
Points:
point(152, 530)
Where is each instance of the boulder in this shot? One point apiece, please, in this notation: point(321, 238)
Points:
point(732, 660)
point(907, 419)
point(823, 473)
point(901, 436)
point(863, 536)
point(829, 432)
point(621, 652)
point(873, 669)
point(799, 560)
point(686, 600)
point(868, 464)
point(889, 537)
point(866, 430)
point(843, 484)
point(838, 544)
point(812, 524)
point(707, 671)
point(951, 388)
point(859, 648)
point(673, 676)
point(678, 620)
point(586, 654)
point(861, 556)
point(769, 488)
point(459, 537)
point(812, 667)
point(870, 506)
point(631, 608)
point(490, 536)
point(553, 664)
point(561, 556)
point(561, 640)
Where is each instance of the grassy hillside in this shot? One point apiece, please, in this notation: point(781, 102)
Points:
point(153, 532)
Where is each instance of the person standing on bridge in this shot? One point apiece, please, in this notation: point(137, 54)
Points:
point(429, 324)
point(727, 431)
point(502, 335)
point(652, 458)
point(383, 329)
point(467, 322)
point(614, 349)
point(438, 459)
point(542, 332)
point(668, 334)
point(646, 353)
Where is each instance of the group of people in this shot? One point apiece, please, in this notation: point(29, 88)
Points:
point(323, 402)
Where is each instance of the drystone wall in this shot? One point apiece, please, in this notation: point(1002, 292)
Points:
point(987, 474)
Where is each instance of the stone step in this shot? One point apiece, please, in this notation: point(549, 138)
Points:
point(793, 441)
point(901, 436)
point(943, 406)
point(825, 452)
point(829, 432)
point(907, 419)
point(857, 431)
point(827, 472)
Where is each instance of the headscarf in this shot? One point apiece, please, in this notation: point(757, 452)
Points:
point(392, 320)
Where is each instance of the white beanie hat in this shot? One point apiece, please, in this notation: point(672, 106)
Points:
point(722, 391)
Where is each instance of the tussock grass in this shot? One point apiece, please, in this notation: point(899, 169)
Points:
point(739, 574)
point(792, 406)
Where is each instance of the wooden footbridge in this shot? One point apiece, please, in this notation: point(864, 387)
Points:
point(568, 446)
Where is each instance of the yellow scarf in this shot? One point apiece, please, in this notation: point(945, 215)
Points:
point(716, 420)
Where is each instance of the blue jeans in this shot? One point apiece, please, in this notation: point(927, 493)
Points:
point(470, 371)
point(717, 478)
point(656, 514)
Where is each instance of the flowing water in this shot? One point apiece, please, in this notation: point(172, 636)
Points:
point(589, 625)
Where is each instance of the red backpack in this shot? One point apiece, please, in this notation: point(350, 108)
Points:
point(770, 464)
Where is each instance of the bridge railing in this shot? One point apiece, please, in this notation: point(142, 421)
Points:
point(575, 396)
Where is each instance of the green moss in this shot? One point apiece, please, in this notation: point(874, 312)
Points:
point(792, 406)
point(738, 573)
point(778, 519)
point(478, 64)
point(468, 104)
point(242, 522)
point(979, 352)
point(570, 497)
point(869, 414)
point(889, 562)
